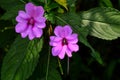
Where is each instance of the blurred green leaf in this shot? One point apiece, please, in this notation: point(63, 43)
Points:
point(105, 3)
point(104, 22)
point(74, 20)
point(21, 59)
point(109, 71)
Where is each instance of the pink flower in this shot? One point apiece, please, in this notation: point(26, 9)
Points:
point(31, 22)
point(64, 42)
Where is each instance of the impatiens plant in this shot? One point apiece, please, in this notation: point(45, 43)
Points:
point(59, 39)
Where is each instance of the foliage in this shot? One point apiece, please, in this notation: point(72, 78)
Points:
point(97, 23)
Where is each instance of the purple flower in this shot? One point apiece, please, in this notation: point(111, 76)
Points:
point(64, 42)
point(31, 22)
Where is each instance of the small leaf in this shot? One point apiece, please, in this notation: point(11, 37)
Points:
point(62, 3)
point(21, 59)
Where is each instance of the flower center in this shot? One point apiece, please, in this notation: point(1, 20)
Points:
point(31, 21)
point(64, 42)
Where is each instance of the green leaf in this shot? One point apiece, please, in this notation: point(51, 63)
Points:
point(71, 2)
point(12, 12)
point(74, 20)
point(21, 59)
point(50, 17)
point(11, 7)
point(106, 3)
point(104, 22)
point(72, 5)
point(8, 4)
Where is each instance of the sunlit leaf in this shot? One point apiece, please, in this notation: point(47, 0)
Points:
point(103, 22)
point(62, 3)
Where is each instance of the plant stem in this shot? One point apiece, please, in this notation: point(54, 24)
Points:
point(68, 66)
point(48, 62)
point(60, 66)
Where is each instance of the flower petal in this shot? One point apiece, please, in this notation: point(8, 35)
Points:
point(20, 27)
point(52, 38)
point(40, 19)
point(58, 30)
point(23, 14)
point(73, 41)
point(68, 52)
point(30, 33)
point(73, 47)
point(56, 50)
point(23, 34)
point(39, 11)
point(40, 25)
point(21, 20)
point(22, 17)
point(72, 38)
point(52, 43)
point(37, 32)
point(26, 32)
point(30, 8)
point(61, 55)
point(56, 39)
point(67, 30)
